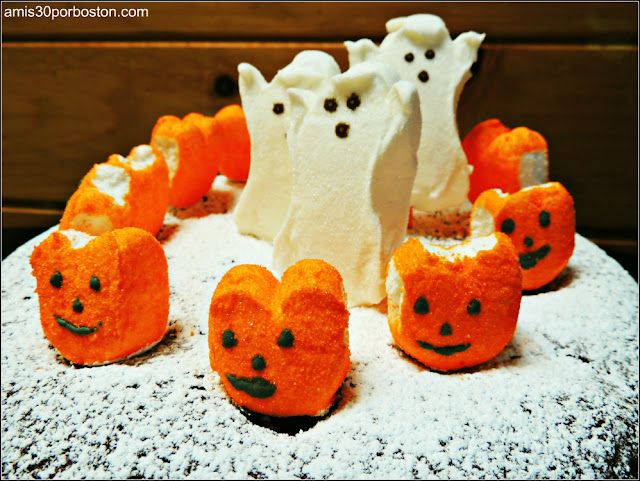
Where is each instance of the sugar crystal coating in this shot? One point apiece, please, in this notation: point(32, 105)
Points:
point(231, 142)
point(184, 148)
point(207, 126)
point(91, 321)
point(540, 221)
point(130, 191)
point(504, 158)
point(454, 308)
point(280, 348)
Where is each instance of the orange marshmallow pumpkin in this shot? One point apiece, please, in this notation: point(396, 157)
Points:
point(103, 298)
point(280, 348)
point(454, 308)
point(130, 191)
point(184, 147)
point(207, 126)
point(539, 220)
point(232, 144)
point(504, 158)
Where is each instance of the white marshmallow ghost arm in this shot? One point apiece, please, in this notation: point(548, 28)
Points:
point(392, 182)
point(362, 50)
point(287, 248)
point(465, 48)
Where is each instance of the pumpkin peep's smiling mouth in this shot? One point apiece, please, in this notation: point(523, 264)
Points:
point(77, 330)
point(257, 387)
point(531, 259)
point(444, 350)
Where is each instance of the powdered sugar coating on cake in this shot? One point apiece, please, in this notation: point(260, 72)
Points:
point(559, 402)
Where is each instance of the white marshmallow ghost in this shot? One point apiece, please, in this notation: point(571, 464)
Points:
point(420, 49)
point(353, 151)
point(263, 204)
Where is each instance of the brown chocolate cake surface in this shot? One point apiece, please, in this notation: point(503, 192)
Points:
point(560, 401)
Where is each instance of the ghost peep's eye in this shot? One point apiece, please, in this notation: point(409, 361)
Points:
point(409, 57)
point(330, 105)
point(278, 108)
point(430, 54)
point(353, 102)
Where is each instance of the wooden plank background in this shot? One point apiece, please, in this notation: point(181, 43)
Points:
point(76, 90)
point(558, 22)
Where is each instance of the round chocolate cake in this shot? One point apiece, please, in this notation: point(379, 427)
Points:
point(560, 401)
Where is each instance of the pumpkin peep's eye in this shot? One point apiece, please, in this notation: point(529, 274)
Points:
point(286, 338)
point(508, 226)
point(353, 102)
point(421, 306)
point(545, 218)
point(330, 105)
point(409, 57)
point(474, 307)
point(229, 339)
point(56, 280)
point(430, 54)
point(94, 283)
point(278, 108)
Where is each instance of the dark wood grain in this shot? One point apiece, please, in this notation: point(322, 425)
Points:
point(68, 106)
point(583, 100)
point(584, 22)
point(76, 90)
